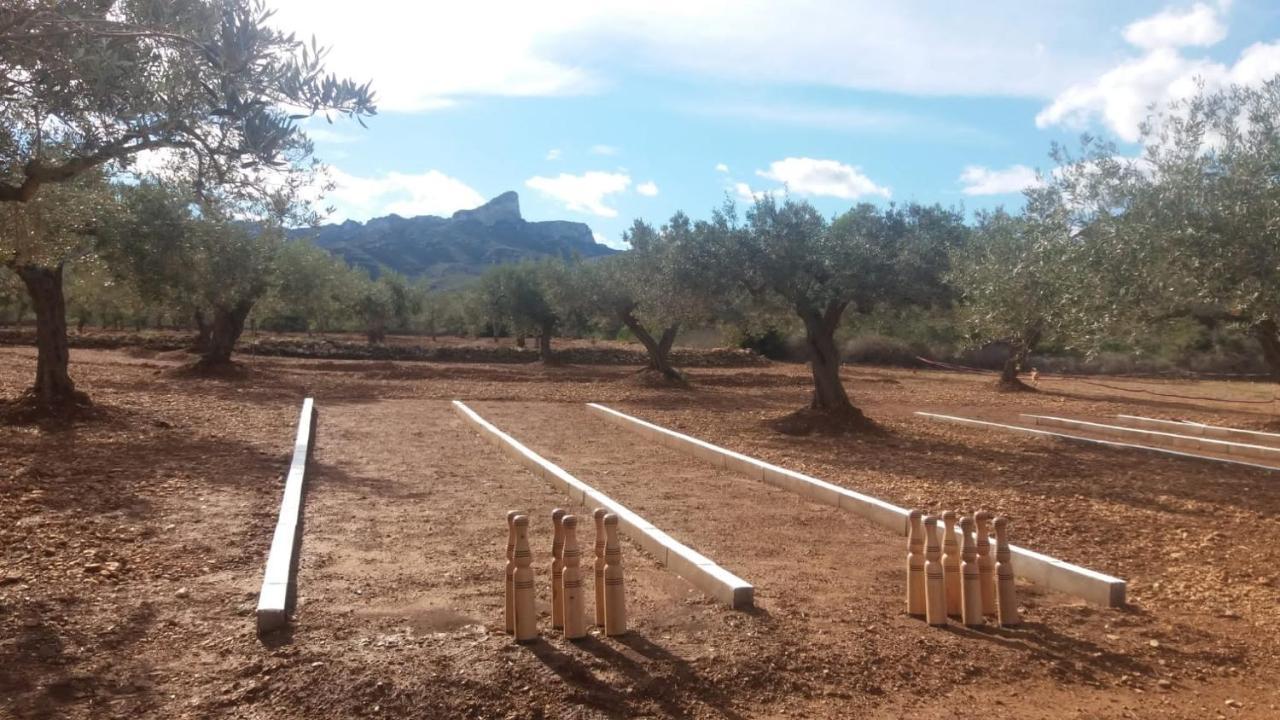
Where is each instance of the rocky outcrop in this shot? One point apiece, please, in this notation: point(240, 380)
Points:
point(451, 250)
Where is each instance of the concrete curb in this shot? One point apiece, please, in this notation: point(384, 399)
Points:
point(1186, 427)
point(280, 577)
point(699, 570)
point(1041, 569)
point(1174, 439)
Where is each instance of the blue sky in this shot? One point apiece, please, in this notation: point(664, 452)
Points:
point(602, 112)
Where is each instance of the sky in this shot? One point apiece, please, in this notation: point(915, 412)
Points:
point(603, 112)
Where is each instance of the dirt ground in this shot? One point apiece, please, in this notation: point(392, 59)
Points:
point(132, 547)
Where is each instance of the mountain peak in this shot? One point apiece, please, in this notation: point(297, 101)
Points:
point(504, 208)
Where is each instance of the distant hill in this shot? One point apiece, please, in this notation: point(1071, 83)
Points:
point(451, 250)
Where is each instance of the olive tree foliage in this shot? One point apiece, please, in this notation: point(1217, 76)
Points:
point(386, 303)
point(314, 290)
point(198, 255)
point(38, 238)
point(1192, 228)
point(652, 289)
point(88, 82)
point(786, 253)
point(528, 298)
point(1015, 284)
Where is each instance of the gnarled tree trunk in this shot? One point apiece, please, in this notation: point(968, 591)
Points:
point(829, 395)
point(1022, 347)
point(659, 350)
point(228, 324)
point(203, 331)
point(53, 388)
point(544, 344)
point(1267, 333)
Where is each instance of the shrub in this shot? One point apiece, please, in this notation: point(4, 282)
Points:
point(882, 350)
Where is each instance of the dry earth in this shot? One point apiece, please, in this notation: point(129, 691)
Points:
point(131, 548)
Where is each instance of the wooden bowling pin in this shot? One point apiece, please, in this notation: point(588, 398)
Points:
point(935, 590)
point(951, 563)
point(915, 565)
point(598, 568)
point(971, 591)
point(509, 610)
point(615, 592)
point(557, 568)
point(526, 613)
point(575, 622)
point(1006, 595)
point(986, 564)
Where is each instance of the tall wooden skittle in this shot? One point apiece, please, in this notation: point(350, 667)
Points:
point(509, 610)
point(1006, 593)
point(935, 589)
point(557, 568)
point(915, 565)
point(575, 621)
point(526, 613)
point(951, 563)
point(615, 592)
point(971, 595)
point(598, 567)
point(986, 564)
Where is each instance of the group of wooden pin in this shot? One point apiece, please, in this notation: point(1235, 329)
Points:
point(568, 612)
point(960, 581)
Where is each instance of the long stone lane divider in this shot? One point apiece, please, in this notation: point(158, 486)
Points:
point(1046, 571)
point(279, 579)
point(702, 572)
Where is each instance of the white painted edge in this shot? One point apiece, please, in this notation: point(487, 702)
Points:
point(279, 576)
point(1223, 446)
point(699, 570)
point(1044, 570)
point(1196, 428)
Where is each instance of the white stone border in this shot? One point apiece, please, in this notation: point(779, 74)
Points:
point(1092, 441)
point(1188, 427)
point(278, 581)
point(1183, 441)
point(699, 570)
point(1041, 569)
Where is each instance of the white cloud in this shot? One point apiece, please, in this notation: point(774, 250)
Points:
point(1198, 25)
point(851, 119)
point(553, 154)
point(405, 194)
point(721, 167)
point(648, 189)
point(981, 180)
point(564, 47)
point(604, 150)
point(585, 193)
point(1121, 97)
point(744, 192)
point(822, 178)
point(609, 242)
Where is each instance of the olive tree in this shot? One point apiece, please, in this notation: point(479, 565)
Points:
point(527, 298)
point(1189, 228)
point(787, 253)
point(87, 83)
point(37, 240)
point(1014, 279)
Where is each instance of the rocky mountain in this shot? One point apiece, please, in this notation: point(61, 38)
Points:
point(450, 250)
